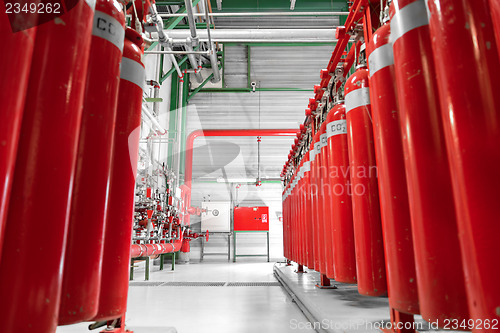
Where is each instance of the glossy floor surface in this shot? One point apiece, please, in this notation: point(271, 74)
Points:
point(217, 308)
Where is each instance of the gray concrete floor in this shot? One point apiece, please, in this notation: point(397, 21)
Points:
point(209, 309)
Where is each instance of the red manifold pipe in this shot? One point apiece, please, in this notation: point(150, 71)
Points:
point(148, 250)
point(188, 171)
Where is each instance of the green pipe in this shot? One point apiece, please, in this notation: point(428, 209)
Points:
point(152, 46)
point(223, 66)
point(249, 67)
point(161, 67)
point(169, 3)
point(200, 86)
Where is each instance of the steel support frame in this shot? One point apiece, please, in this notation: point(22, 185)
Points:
point(250, 255)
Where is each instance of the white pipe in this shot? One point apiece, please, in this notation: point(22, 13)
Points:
point(192, 41)
point(163, 38)
point(260, 14)
point(155, 123)
point(192, 24)
point(221, 35)
point(192, 59)
point(240, 40)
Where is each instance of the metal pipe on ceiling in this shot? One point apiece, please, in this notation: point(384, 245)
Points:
point(241, 40)
point(192, 58)
point(163, 38)
point(192, 41)
point(244, 35)
point(213, 51)
point(192, 24)
point(166, 15)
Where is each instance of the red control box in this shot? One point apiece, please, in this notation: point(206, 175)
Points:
point(251, 218)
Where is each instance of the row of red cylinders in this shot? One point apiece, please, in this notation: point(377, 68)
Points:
point(70, 123)
point(401, 196)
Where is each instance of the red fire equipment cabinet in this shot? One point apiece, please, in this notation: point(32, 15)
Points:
point(251, 218)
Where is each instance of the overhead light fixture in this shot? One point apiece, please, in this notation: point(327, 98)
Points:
point(219, 4)
point(292, 4)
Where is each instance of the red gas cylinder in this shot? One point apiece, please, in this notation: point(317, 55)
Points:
point(435, 236)
point(17, 63)
point(344, 257)
point(394, 205)
point(294, 222)
point(82, 266)
point(299, 215)
point(314, 205)
point(306, 199)
point(470, 109)
point(319, 203)
point(495, 16)
point(118, 230)
point(366, 210)
point(38, 210)
point(285, 223)
point(291, 221)
point(325, 200)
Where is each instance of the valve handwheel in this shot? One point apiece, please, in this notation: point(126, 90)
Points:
point(206, 236)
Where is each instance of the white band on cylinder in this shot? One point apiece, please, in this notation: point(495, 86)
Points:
point(323, 139)
point(357, 98)
point(307, 166)
point(380, 58)
point(108, 28)
point(312, 155)
point(336, 127)
point(133, 72)
point(408, 18)
point(317, 148)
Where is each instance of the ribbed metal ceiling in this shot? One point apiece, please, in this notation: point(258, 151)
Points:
point(289, 66)
point(269, 22)
point(271, 67)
